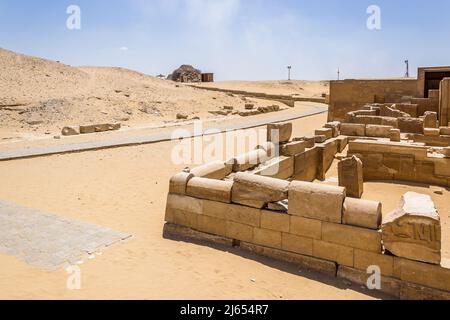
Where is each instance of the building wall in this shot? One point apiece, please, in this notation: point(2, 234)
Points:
point(351, 95)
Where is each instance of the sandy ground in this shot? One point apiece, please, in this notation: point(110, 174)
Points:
point(300, 88)
point(125, 189)
point(39, 97)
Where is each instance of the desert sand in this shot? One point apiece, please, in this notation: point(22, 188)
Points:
point(125, 189)
point(39, 97)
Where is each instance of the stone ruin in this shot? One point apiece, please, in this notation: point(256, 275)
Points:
point(267, 202)
point(186, 73)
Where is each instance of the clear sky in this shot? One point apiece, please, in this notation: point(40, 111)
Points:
point(236, 39)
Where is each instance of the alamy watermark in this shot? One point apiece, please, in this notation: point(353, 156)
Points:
point(73, 22)
point(74, 279)
point(374, 19)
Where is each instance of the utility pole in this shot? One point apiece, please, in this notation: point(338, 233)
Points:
point(407, 68)
point(289, 73)
point(339, 74)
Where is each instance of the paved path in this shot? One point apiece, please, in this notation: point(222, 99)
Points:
point(162, 135)
point(47, 241)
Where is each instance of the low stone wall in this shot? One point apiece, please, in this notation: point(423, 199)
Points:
point(257, 202)
point(400, 161)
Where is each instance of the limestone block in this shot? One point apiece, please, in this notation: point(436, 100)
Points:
point(351, 176)
point(292, 148)
point(256, 191)
point(316, 201)
point(410, 125)
point(334, 252)
point(445, 131)
point(209, 189)
point(304, 227)
point(446, 152)
point(430, 120)
point(297, 244)
point(99, 128)
point(362, 213)
point(430, 275)
point(178, 183)
point(239, 231)
point(211, 225)
point(378, 131)
point(310, 141)
point(320, 139)
point(365, 259)
point(213, 170)
point(390, 286)
point(275, 221)
point(231, 212)
point(388, 121)
point(70, 131)
point(343, 143)
point(354, 237)
point(279, 132)
point(307, 164)
point(249, 160)
point(184, 203)
point(327, 132)
point(353, 129)
point(395, 135)
point(278, 168)
point(412, 291)
point(303, 261)
point(335, 126)
point(268, 238)
point(431, 132)
point(413, 230)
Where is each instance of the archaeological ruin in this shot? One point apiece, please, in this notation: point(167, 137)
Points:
point(274, 201)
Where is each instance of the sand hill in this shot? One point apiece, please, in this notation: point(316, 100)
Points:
point(39, 97)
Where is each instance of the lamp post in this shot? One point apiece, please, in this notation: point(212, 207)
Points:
point(289, 73)
point(407, 68)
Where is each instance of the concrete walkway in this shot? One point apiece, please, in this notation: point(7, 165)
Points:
point(47, 241)
point(164, 134)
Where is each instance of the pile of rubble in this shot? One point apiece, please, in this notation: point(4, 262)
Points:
point(186, 73)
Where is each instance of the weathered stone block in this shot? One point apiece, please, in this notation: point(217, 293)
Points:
point(213, 170)
point(335, 126)
point(277, 168)
point(410, 125)
point(431, 132)
point(413, 231)
point(209, 189)
point(445, 131)
point(178, 183)
point(275, 221)
point(239, 231)
point(429, 275)
point(231, 212)
point(353, 129)
point(351, 176)
point(249, 160)
point(184, 203)
point(279, 132)
point(378, 131)
point(271, 148)
point(292, 148)
point(268, 238)
point(297, 244)
point(395, 135)
point(99, 128)
point(211, 225)
point(305, 227)
point(70, 131)
point(354, 237)
point(362, 213)
point(430, 120)
point(411, 291)
point(365, 259)
point(327, 132)
point(333, 252)
point(389, 285)
point(256, 191)
point(316, 201)
point(320, 139)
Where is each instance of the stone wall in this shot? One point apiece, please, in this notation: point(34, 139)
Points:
point(255, 202)
point(401, 161)
point(352, 95)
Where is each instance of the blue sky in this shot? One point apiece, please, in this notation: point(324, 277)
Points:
point(236, 39)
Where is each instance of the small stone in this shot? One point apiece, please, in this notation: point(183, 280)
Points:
point(182, 116)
